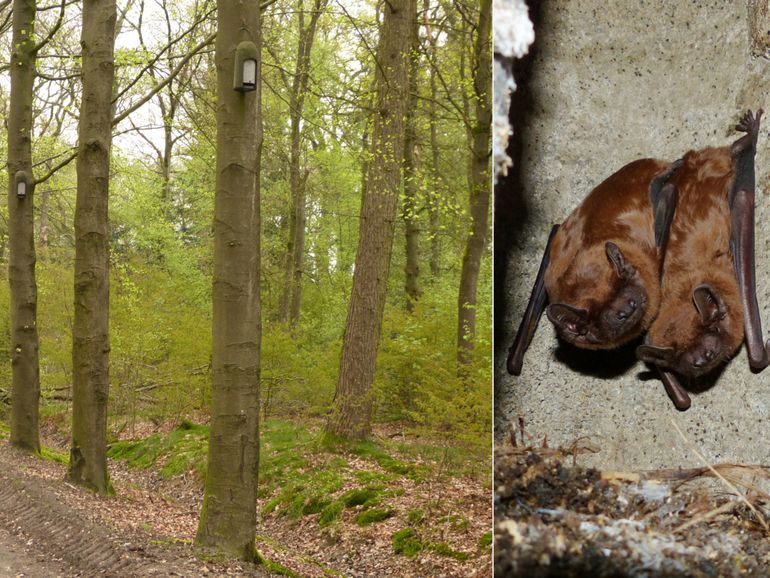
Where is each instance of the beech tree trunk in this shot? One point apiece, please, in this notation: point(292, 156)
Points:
point(45, 196)
point(480, 185)
point(90, 330)
point(409, 209)
point(436, 181)
point(25, 367)
point(434, 194)
point(228, 518)
point(291, 298)
point(351, 417)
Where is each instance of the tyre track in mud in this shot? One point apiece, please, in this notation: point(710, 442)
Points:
point(34, 514)
point(51, 526)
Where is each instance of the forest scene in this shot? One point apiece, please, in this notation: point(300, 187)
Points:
point(247, 308)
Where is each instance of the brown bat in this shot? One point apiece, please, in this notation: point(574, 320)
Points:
point(601, 269)
point(709, 293)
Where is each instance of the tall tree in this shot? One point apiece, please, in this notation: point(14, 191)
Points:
point(291, 298)
point(228, 518)
point(351, 417)
point(21, 263)
point(435, 174)
point(90, 331)
point(409, 209)
point(479, 183)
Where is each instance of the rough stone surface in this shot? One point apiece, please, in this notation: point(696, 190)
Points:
point(609, 83)
point(513, 35)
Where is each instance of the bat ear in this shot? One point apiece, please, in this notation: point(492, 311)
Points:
point(615, 255)
point(568, 319)
point(653, 354)
point(709, 303)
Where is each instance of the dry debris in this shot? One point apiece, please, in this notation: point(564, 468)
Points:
point(557, 520)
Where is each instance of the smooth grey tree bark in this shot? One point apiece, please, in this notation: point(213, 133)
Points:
point(90, 330)
point(25, 368)
point(228, 518)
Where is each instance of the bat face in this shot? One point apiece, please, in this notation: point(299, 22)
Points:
point(695, 340)
point(614, 310)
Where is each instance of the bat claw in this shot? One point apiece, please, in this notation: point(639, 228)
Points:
point(750, 125)
point(750, 122)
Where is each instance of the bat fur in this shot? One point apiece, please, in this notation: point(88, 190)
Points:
point(601, 269)
point(700, 321)
point(620, 299)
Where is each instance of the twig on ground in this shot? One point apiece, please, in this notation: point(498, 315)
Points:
point(737, 492)
point(723, 509)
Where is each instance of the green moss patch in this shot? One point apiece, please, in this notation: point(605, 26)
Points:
point(407, 542)
point(180, 451)
point(308, 493)
point(359, 497)
point(415, 516)
point(486, 540)
point(330, 513)
point(274, 567)
point(52, 455)
point(444, 550)
point(373, 516)
point(377, 454)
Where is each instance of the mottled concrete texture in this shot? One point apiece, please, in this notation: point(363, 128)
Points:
point(611, 82)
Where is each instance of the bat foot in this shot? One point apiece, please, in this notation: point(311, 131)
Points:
point(750, 125)
point(750, 122)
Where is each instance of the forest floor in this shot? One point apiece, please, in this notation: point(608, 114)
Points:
point(556, 519)
point(359, 512)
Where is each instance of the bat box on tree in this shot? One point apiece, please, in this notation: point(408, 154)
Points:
point(246, 68)
point(21, 184)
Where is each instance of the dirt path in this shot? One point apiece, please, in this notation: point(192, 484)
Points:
point(17, 560)
point(47, 536)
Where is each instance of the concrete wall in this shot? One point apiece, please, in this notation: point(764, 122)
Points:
point(609, 83)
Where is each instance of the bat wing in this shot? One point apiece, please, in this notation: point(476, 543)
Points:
point(537, 302)
point(742, 237)
point(663, 198)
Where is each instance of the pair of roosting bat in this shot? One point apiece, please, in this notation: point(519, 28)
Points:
point(666, 248)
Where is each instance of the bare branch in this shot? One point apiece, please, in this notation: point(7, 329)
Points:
point(53, 30)
point(60, 165)
point(267, 4)
point(123, 115)
point(58, 78)
point(165, 49)
point(205, 42)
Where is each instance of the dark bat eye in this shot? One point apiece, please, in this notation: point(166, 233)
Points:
point(621, 315)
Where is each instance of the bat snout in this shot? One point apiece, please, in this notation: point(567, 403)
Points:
point(704, 359)
point(625, 312)
point(705, 356)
